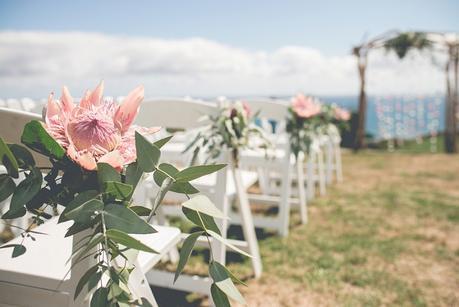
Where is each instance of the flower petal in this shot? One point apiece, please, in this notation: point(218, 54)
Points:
point(84, 103)
point(85, 160)
point(52, 108)
point(113, 158)
point(128, 110)
point(96, 96)
point(67, 101)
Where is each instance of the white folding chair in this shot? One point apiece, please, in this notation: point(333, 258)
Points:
point(40, 276)
point(279, 162)
point(12, 123)
point(223, 187)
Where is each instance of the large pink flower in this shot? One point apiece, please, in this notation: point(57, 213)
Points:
point(305, 107)
point(98, 129)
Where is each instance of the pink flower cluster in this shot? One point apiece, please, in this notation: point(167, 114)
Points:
point(305, 107)
point(342, 114)
point(97, 129)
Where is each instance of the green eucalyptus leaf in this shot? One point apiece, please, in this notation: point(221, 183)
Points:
point(117, 189)
point(133, 174)
point(223, 281)
point(219, 297)
point(204, 205)
point(195, 172)
point(140, 210)
point(79, 200)
point(8, 160)
point(86, 212)
point(78, 227)
point(84, 279)
point(207, 223)
point(178, 187)
point(14, 214)
point(100, 298)
point(7, 186)
point(18, 249)
point(94, 280)
point(37, 138)
point(26, 189)
point(147, 154)
point(123, 238)
point(227, 243)
point(124, 219)
point(43, 196)
point(185, 252)
point(160, 143)
point(106, 172)
point(95, 240)
point(23, 156)
point(229, 273)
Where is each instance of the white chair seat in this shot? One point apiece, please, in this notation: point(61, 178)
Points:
point(44, 262)
point(259, 158)
point(206, 185)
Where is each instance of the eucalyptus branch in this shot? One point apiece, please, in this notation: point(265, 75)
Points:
point(165, 186)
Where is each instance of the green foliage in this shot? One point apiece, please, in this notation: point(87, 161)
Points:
point(100, 202)
point(8, 160)
point(233, 129)
point(7, 186)
point(150, 153)
point(185, 252)
point(404, 42)
point(18, 249)
point(302, 131)
point(36, 138)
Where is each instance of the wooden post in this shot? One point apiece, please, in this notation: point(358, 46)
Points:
point(362, 56)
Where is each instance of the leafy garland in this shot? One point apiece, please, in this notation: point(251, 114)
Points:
point(234, 129)
point(101, 201)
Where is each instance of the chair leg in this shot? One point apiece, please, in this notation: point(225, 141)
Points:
point(321, 173)
point(310, 176)
point(338, 164)
point(301, 190)
point(284, 205)
point(329, 163)
point(247, 222)
point(140, 285)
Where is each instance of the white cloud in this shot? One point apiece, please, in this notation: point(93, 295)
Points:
point(33, 63)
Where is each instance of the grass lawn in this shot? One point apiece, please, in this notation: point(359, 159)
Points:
point(388, 235)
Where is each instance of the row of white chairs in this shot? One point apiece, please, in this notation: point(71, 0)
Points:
point(284, 182)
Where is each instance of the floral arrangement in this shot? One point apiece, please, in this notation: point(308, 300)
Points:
point(233, 128)
point(308, 118)
point(97, 157)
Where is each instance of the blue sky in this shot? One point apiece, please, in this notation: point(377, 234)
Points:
point(330, 26)
point(212, 48)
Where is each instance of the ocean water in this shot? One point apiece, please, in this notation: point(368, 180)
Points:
point(398, 116)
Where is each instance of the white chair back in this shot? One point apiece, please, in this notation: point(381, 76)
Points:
point(269, 108)
point(174, 112)
point(12, 124)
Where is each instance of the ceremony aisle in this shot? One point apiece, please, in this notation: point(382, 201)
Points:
point(389, 234)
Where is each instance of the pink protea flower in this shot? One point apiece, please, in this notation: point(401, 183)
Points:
point(342, 114)
point(305, 107)
point(98, 129)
